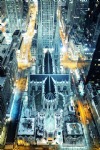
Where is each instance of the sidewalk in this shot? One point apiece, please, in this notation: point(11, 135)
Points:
point(9, 107)
point(3, 136)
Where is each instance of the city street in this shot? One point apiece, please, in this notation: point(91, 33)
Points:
point(25, 59)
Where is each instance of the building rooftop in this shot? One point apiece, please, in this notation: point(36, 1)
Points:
point(26, 126)
point(74, 129)
point(2, 81)
point(57, 77)
point(3, 48)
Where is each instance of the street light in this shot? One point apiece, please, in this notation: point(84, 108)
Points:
point(63, 49)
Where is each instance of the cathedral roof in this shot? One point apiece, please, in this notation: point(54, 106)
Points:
point(48, 63)
point(49, 89)
point(50, 96)
point(49, 85)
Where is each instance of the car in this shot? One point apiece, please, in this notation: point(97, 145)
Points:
point(78, 113)
point(76, 105)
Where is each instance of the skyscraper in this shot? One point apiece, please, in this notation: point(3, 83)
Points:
point(14, 14)
point(47, 22)
point(92, 23)
point(94, 72)
point(48, 30)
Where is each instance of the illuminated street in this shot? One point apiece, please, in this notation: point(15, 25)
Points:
point(25, 58)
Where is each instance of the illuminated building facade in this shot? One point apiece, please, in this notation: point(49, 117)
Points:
point(2, 9)
point(93, 84)
point(94, 72)
point(92, 23)
point(47, 22)
point(14, 11)
point(77, 15)
point(8, 72)
point(25, 15)
point(48, 33)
